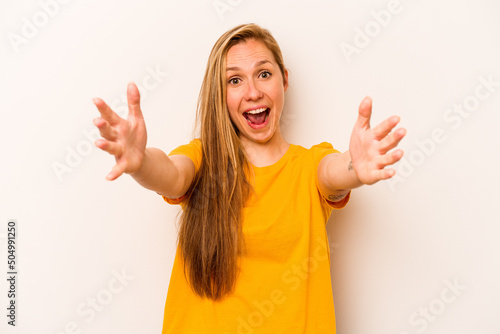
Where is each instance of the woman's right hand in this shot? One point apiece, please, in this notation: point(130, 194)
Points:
point(124, 138)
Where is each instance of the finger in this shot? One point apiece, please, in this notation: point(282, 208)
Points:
point(116, 172)
point(386, 173)
point(392, 140)
point(390, 158)
point(105, 129)
point(109, 115)
point(384, 128)
point(380, 174)
point(364, 113)
point(110, 147)
point(134, 101)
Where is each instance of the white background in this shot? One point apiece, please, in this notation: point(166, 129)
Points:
point(396, 248)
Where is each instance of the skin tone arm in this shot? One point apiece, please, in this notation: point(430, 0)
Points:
point(365, 161)
point(126, 139)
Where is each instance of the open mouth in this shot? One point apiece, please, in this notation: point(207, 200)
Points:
point(257, 116)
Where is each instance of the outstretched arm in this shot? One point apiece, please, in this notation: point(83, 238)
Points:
point(126, 140)
point(365, 161)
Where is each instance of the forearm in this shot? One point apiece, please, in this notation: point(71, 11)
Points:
point(336, 177)
point(159, 173)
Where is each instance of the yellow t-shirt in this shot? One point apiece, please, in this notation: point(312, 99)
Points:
point(284, 285)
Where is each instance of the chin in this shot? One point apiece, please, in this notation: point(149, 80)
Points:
point(259, 138)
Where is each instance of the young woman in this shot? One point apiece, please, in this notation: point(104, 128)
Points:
point(253, 253)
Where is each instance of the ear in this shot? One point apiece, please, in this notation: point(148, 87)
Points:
point(285, 80)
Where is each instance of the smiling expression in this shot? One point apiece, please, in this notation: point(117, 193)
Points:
point(255, 90)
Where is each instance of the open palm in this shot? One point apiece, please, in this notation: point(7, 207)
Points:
point(124, 138)
point(370, 148)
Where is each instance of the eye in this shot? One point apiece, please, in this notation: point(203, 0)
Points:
point(234, 81)
point(265, 74)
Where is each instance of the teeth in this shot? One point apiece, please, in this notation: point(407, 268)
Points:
point(257, 111)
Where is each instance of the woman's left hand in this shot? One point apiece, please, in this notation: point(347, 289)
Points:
point(370, 148)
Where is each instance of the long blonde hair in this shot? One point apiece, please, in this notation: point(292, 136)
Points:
point(210, 235)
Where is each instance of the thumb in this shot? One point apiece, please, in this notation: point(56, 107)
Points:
point(134, 100)
point(365, 113)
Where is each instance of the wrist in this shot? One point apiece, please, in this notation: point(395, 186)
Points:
point(351, 175)
point(142, 167)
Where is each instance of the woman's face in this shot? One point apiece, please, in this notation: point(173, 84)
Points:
point(255, 90)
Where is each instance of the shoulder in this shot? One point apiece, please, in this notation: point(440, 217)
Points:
point(195, 143)
point(192, 150)
point(315, 152)
point(322, 146)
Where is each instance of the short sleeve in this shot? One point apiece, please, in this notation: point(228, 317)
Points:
point(193, 151)
point(319, 152)
point(339, 204)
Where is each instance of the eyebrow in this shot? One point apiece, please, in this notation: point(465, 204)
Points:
point(260, 63)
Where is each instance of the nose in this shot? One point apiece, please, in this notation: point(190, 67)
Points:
point(252, 91)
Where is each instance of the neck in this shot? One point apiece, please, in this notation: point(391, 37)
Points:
point(267, 153)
